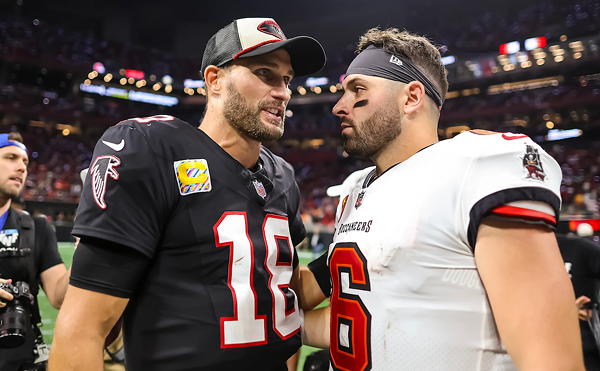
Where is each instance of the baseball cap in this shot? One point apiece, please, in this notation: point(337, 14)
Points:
point(249, 37)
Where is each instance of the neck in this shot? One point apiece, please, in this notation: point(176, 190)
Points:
point(411, 140)
point(245, 150)
point(4, 204)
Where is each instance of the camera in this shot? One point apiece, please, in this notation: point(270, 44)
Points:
point(13, 317)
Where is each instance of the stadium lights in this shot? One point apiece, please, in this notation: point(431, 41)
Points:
point(168, 88)
point(317, 90)
point(549, 124)
point(108, 77)
point(157, 86)
point(122, 72)
point(87, 82)
point(123, 81)
point(92, 75)
point(452, 94)
point(135, 74)
point(131, 80)
point(577, 55)
point(563, 38)
point(448, 60)
point(193, 84)
point(167, 80)
point(301, 90)
point(557, 134)
point(338, 86)
point(510, 48)
point(99, 67)
point(139, 84)
point(316, 81)
point(539, 55)
point(559, 58)
point(152, 78)
point(575, 44)
point(201, 91)
point(554, 47)
point(332, 89)
point(540, 62)
point(535, 42)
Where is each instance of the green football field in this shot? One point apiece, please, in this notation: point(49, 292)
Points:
point(48, 313)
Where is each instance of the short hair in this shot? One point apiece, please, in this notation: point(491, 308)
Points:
point(418, 49)
point(16, 137)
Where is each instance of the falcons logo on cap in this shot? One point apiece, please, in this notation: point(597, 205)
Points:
point(100, 170)
point(272, 28)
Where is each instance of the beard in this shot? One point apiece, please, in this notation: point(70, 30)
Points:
point(246, 119)
point(374, 133)
point(8, 191)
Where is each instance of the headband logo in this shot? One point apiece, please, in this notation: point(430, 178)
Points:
point(395, 60)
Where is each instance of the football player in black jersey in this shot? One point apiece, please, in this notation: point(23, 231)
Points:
point(190, 232)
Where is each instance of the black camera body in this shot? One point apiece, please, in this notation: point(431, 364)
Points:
point(13, 317)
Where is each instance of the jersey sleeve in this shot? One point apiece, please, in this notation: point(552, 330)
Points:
point(124, 198)
point(297, 228)
point(46, 245)
point(510, 178)
point(320, 269)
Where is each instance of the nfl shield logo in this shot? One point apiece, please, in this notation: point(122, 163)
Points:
point(260, 188)
point(359, 199)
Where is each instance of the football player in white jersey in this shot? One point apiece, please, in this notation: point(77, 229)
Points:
point(443, 256)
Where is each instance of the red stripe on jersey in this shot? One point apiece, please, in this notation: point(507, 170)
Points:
point(528, 214)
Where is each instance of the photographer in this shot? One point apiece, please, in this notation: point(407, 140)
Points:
point(28, 257)
point(582, 261)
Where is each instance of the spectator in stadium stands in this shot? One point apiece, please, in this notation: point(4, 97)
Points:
point(582, 261)
point(28, 257)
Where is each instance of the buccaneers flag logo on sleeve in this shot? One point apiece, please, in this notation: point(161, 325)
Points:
point(103, 167)
point(533, 164)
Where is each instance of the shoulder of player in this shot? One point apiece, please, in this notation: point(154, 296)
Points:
point(483, 143)
point(279, 163)
point(154, 125)
point(357, 178)
point(161, 133)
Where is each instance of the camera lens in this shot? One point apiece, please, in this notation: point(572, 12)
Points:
point(13, 325)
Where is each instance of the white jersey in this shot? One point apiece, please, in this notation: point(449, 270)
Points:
point(406, 293)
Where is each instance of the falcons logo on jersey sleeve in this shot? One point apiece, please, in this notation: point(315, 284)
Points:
point(100, 170)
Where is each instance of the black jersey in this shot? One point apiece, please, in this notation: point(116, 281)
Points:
point(582, 261)
point(221, 240)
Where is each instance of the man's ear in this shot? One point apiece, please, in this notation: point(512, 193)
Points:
point(415, 96)
point(213, 80)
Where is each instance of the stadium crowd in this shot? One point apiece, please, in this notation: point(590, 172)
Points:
point(56, 160)
point(57, 157)
point(45, 43)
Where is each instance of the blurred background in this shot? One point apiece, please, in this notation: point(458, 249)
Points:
point(71, 68)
